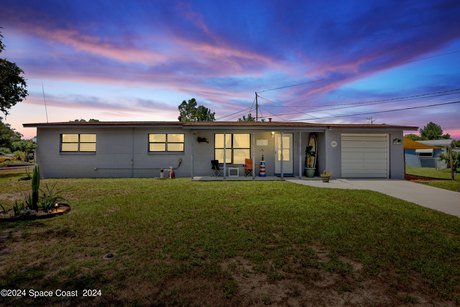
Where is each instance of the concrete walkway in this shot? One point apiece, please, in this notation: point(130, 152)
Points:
point(434, 198)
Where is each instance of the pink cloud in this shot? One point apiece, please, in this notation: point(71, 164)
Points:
point(98, 47)
point(454, 133)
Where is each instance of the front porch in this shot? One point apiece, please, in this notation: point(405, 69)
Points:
point(280, 151)
point(239, 178)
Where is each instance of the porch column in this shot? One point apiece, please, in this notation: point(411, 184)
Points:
point(192, 167)
point(300, 154)
point(282, 160)
point(225, 155)
point(253, 157)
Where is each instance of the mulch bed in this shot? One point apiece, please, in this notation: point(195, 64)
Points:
point(60, 210)
point(421, 178)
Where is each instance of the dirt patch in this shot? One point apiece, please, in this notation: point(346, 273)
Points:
point(11, 196)
point(333, 280)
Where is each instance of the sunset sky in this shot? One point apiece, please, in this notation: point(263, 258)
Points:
point(314, 61)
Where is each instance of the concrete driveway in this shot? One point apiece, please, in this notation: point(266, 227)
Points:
point(434, 198)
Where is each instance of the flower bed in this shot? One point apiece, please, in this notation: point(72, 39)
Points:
point(28, 214)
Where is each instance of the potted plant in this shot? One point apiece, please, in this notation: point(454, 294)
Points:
point(310, 161)
point(326, 176)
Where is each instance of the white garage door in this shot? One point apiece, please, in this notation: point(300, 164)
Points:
point(365, 155)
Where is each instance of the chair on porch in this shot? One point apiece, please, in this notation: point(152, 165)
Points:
point(216, 170)
point(248, 167)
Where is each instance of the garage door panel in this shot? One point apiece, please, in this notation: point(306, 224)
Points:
point(373, 154)
point(365, 155)
point(365, 175)
point(364, 149)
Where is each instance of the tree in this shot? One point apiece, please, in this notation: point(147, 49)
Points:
point(247, 119)
point(413, 137)
point(433, 131)
point(189, 111)
point(12, 83)
point(27, 147)
point(8, 135)
point(452, 158)
point(91, 120)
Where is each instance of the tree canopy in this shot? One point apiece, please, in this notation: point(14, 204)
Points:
point(190, 111)
point(249, 118)
point(8, 135)
point(12, 83)
point(433, 131)
point(81, 120)
point(413, 137)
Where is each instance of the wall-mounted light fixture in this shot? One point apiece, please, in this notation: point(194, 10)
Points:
point(273, 133)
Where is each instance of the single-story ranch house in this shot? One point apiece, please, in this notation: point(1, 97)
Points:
point(143, 149)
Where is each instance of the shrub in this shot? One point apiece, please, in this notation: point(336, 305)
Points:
point(5, 150)
point(50, 198)
point(20, 155)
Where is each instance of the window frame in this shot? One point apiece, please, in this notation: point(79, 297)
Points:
point(166, 143)
point(232, 148)
point(78, 142)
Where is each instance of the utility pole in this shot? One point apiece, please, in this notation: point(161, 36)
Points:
point(257, 108)
point(371, 120)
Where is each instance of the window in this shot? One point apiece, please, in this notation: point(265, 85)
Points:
point(238, 147)
point(424, 152)
point(166, 142)
point(73, 142)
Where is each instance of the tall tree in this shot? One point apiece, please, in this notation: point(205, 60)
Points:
point(12, 83)
point(433, 131)
point(8, 135)
point(189, 111)
point(249, 118)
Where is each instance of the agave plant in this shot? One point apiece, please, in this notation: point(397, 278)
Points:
point(35, 187)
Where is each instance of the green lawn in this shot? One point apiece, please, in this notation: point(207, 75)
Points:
point(444, 175)
point(178, 242)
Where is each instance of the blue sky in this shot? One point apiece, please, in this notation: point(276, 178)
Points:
point(137, 60)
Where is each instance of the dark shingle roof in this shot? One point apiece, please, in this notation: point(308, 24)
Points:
point(214, 124)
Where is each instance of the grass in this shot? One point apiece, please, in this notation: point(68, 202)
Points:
point(170, 238)
point(439, 178)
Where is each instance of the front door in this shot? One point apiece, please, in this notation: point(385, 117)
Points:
point(287, 154)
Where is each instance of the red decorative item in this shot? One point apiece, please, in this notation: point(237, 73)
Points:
point(172, 174)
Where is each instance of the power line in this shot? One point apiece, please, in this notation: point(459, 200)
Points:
point(237, 112)
point(371, 101)
point(314, 81)
point(288, 86)
point(356, 105)
point(387, 111)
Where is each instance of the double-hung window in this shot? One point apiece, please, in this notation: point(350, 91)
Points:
point(74, 142)
point(166, 142)
point(237, 146)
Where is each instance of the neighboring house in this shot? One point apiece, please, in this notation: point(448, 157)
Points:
point(414, 151)
point(142, 149)
point(427, 153)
